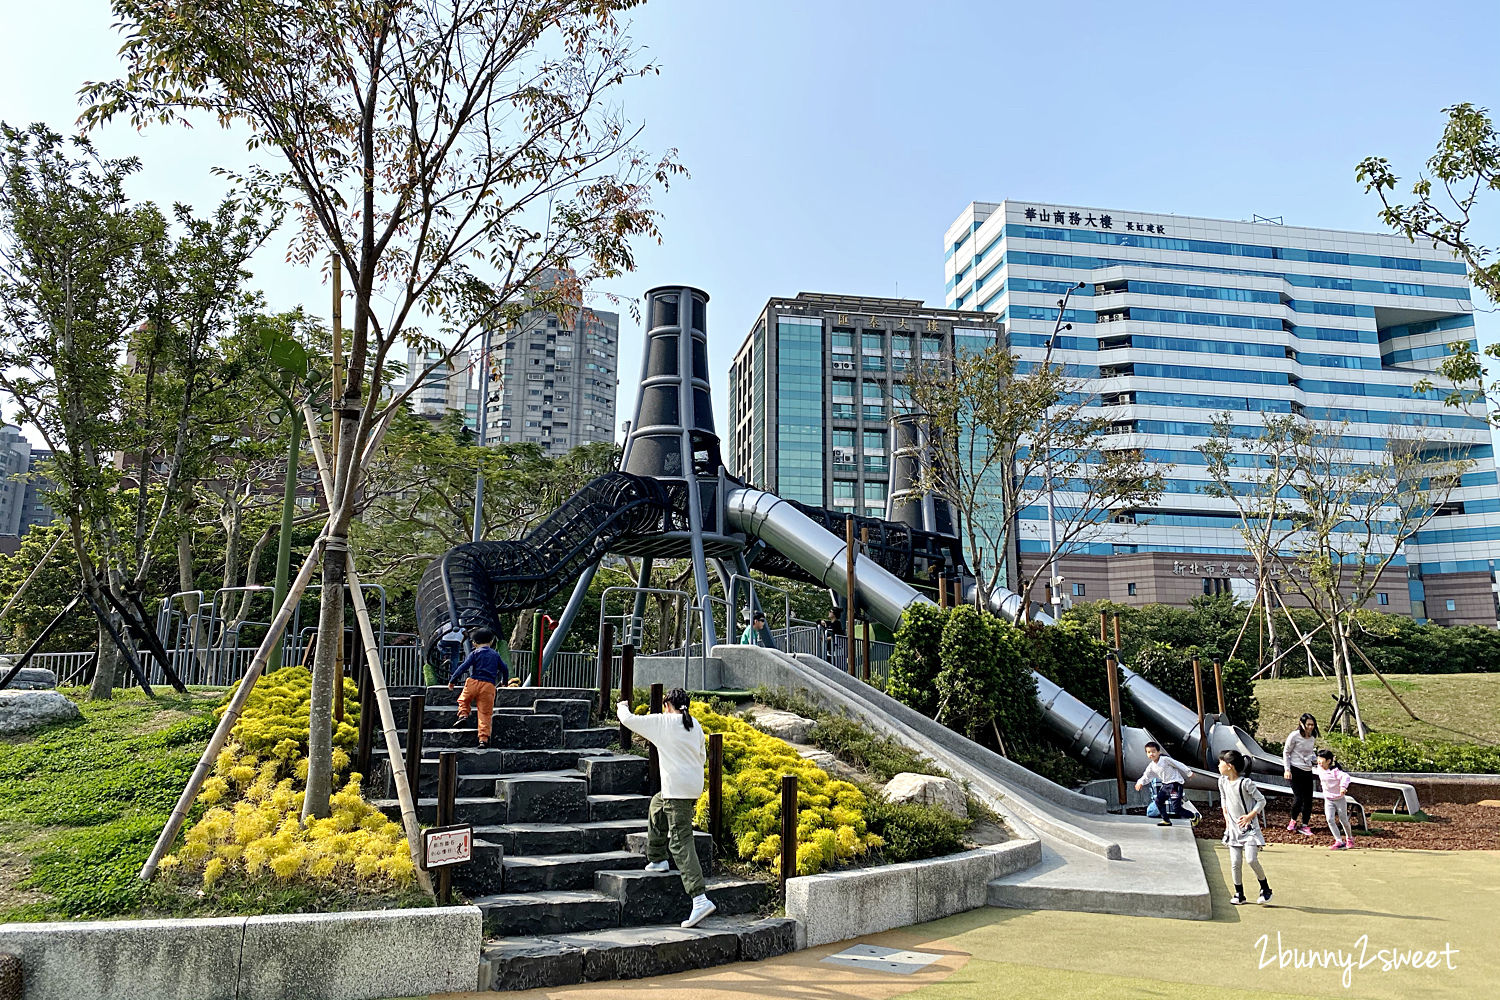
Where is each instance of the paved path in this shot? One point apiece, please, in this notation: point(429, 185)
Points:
point(1423, 900)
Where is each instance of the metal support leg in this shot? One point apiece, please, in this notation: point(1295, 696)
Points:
point(638, 613)
point(575, 602)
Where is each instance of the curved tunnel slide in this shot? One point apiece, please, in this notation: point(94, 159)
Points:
point(471, 584)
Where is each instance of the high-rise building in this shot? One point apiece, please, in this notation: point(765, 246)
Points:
point(1182, 318)
point(444, 385)
point(814, 386)
point(34, 509)
point(558, 375)
point(15, 462)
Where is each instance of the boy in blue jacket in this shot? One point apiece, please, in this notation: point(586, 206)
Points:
point(486, 668)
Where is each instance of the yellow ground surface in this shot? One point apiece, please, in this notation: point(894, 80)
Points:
point(1407, 901)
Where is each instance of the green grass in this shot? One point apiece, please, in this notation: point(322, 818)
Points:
point(82, 802)
point(1463, 708)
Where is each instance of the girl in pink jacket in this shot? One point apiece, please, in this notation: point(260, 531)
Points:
point(1335, 782)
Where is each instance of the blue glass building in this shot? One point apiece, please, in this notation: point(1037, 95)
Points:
point(1182, 318)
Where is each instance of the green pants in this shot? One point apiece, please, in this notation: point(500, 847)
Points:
point(670, 830)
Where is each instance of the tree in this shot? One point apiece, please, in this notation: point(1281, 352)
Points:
point(1349, 514)
point(445, 153)
point(108, 331)
point(1007, 437)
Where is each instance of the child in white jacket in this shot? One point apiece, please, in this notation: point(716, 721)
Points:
point(1243, 805)
point(1170, 777)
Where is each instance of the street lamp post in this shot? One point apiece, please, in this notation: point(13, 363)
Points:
point(1054, 582)
point(484, 410)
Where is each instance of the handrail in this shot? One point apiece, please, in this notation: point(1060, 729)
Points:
point(735, 579)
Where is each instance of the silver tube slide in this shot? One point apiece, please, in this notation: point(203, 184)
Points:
point(811, 546)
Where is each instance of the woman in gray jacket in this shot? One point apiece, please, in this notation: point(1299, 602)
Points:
point(1298, 758)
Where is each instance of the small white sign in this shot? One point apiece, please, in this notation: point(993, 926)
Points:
point(447, 845)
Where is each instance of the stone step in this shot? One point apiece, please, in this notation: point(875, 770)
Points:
point(634, 952)
point(658, 897)
point(505, 697)
point(511, 732)
point(618, 807)
point(446, 717)
point(485, 873)
point(519, 839)
point(492, 764)
point(616, 773)
point(552, 911)
point(537, 799)
point(636, 844)
point(577, 713)
point(539, 872)
point(596, 736)
point(479, 811)
point(485, 784)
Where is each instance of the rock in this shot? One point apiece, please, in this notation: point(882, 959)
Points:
point(784, 725)
point(927, 789)
point(24, 710)
point(30, 678)
point(832, 765)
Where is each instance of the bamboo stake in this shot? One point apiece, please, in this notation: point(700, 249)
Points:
point(1378, 674)
point(388, 725)
point(336, 393)
point(1289, 651)
point(231, 713)
point(32, 575)
point(1244, 625)
point(1311, 659)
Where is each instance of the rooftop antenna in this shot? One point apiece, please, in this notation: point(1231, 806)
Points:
point(1274, 220)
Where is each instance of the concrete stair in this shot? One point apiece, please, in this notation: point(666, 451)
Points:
point(559, 818)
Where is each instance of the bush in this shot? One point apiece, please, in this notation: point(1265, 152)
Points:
point(917, 658)
point(1069, 656)
point(1392, 752)
point(1050, 762)
point(252, 828)
point(983, 683)
point(831, 823)
point(912, 832)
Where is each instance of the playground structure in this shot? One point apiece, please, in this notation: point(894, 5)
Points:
point(672, 498)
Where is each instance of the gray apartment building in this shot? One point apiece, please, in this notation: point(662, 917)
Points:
point(21, 505)
point(814, 386)
point(557, 379)
point(444, 385)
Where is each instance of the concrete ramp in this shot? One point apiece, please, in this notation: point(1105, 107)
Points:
point(1090, 860)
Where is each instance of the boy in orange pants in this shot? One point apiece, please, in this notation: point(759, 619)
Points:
point(485, 668)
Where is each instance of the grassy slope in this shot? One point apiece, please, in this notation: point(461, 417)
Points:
point(1459, 707)
point(82, 802)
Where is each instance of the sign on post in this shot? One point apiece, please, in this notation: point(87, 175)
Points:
point(447, 845)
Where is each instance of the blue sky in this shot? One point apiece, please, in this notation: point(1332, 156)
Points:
point(831, 143)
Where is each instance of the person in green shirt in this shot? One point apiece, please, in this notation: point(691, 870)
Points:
point(756, 633)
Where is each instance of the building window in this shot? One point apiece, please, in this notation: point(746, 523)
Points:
point(1450, 605)
point(1078, 590)
point(1383, 598)
point(1215, 585)
point(872, 342)
point(1130, 589)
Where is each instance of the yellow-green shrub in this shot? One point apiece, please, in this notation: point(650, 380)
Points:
point(830, 813)
point(253, 824)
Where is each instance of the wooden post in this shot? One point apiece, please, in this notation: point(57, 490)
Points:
point(655, 766)
point(1202, 730)
point(1103, 630)
point(366, 723)
point(1117, 631)
point(715, 789)
point(1112, 670)
point(415, 710)
point(942, 589)
point(865, 654)
point(958, 593)
point(447, 802)
point(606, 667)
point(1219, 684)
point(788, 829)
point(851, 602)
point(627, 692)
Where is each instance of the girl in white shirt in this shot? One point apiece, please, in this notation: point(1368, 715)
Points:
point(680, 753)
point(1243, 806)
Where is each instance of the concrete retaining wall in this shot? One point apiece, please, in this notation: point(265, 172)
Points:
point(840, 905)
point(362, 955)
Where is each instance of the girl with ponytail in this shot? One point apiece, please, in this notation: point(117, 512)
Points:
point(680, 752)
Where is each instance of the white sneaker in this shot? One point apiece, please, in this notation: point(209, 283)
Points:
point(659, 866)
point(702, 907)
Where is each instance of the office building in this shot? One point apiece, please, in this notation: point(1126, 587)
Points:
point(1182, 318)
point(558, 372)
point(814, 385)
point(444, 385)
